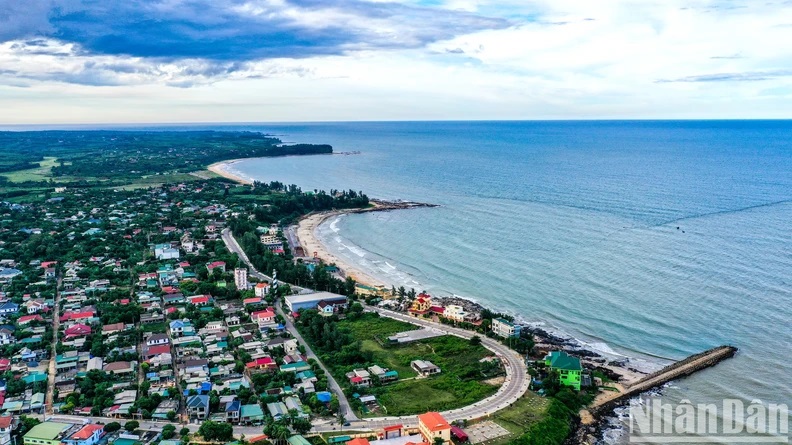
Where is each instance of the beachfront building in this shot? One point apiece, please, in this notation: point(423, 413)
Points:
point(311, 301)
point(421, 305)
point(504, 328)
point(455, 312)
point(434, 426)
point(241, 278)
point(568, 368)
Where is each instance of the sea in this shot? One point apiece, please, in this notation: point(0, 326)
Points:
point(651, 240)
point(648, 240)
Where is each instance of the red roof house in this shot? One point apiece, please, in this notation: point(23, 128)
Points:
point(77, 330)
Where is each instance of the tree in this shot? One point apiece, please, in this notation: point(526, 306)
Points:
point(171, 415)
point(439, 441)
point(112, 427)
point(221, 431)
point(168, 431)
point(132, 425)
point(475, 340)
point(184, 432)
point(301, 425)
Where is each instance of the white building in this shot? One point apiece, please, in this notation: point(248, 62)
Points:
point(241, 278)
point(504, 328)
point(455, 312)
point(261, 289)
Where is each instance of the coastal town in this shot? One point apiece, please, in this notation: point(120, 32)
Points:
point(188, 312)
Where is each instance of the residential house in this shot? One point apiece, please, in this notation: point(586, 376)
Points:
point(261, 289)
point(383, 374)
point(568, 368)
point(504, 328)
point(421, 305)
point(115, 328)
point(424, 367)
point(35, 306)
point(87, 435)
point(120, 368)
point(264, 318)
point(219, 265)
point(7, 425)
point(277, 410)
point(157, 339)
point(77, 330)
point(150, 352)
point(166, 252)
point(232, 408)
point(6, 336)
point(359, 377)
point(198, 407)
point(262, 364)
point(251, 413)
point(329, 307)
point(8, 308)
point(25, 319)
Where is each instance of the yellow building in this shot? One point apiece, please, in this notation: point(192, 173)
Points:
point(421, 305)
point(432, 425)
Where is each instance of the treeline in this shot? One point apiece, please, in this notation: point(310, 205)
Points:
point(288, 271)
point(336, 347)
point(287, 203)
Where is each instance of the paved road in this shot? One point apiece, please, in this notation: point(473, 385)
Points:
point(515, 385)
point(50, 397)
point(343, 402)
point(233, 246)
point(151, 425)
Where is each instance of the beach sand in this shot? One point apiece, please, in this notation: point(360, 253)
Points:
point(221, 168)
point(306, 232)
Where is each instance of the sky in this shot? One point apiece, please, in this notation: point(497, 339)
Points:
point(170, 61)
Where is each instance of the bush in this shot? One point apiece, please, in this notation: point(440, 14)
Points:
point(132, 425)
point(112, 427)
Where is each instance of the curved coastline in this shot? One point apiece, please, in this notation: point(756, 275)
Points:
point(222, 168)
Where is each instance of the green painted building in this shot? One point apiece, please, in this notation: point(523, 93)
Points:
point(568, 368)
point(46, 433)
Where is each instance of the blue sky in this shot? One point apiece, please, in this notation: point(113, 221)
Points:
point(105, 61)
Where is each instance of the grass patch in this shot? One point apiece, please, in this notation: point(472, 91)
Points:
point(158, 180)
point(370, 326)
point(42, 173)
point(526, 411)
point(459, 384)
point(155, 328)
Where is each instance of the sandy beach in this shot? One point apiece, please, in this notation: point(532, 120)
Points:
point(306, 232)
point(221, 168)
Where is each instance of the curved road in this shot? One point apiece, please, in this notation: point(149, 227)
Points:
point(516, 384)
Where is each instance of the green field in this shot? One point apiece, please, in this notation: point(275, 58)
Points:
point(459, 384)
point(42, 173)
point(523, 413)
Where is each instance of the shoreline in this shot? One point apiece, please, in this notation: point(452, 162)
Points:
point(620, 370)
point(221, 168)
point(312, 246)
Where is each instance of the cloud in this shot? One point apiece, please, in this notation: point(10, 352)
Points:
point(233, 30)
point(751, 76)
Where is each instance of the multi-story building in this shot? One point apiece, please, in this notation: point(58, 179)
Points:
point(241, 278)
point(504, 328)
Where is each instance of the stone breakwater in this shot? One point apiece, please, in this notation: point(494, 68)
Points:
point(589, 429)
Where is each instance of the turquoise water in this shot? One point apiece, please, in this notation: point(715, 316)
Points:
point(641, 238)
